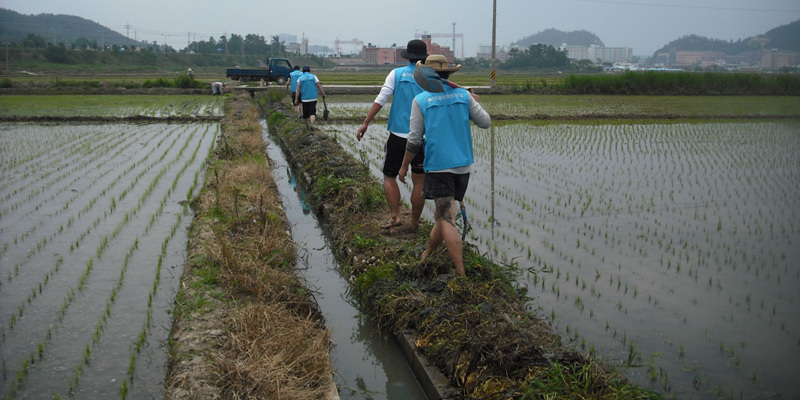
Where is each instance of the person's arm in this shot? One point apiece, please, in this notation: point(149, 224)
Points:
point(319, 86)
point(478, 115)
point(383, 97)
point(415, 141)
point(297, 93)
point(373, 111)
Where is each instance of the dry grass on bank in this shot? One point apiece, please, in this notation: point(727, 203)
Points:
point(244, 327)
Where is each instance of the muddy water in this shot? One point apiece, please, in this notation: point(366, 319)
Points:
point(672, 247)
point(93, 235)
point(368, 365)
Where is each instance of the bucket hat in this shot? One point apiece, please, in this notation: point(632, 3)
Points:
point(439, 63)
point(415, 49)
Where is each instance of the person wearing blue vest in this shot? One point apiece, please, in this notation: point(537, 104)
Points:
point(308, 89)
point(401, 87)
point(443, 120)
point(292, 85)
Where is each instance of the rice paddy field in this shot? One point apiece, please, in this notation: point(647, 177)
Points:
point(112, 106)
point(665, 246)
point(93, 222)
point(607, 108)
point(668, 249)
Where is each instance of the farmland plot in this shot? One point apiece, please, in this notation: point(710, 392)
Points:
point(669, 248)
point(111, 106)
point(92, 237)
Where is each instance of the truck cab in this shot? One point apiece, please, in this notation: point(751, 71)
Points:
point(277, 71)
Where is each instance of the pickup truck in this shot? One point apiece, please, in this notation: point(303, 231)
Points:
point(277, 71)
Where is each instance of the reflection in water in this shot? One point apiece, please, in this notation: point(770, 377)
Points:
point(491, 218)
point(368, 366)
point(301, 194)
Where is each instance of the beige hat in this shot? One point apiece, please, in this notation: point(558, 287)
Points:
point(439, 63)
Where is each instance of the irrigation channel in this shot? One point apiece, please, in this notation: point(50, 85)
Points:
point(367, 365)
point(670, 250)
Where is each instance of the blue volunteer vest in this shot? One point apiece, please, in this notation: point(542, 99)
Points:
point(448, 136)
point(405, 88)
point(294, 76)
point(308, 88)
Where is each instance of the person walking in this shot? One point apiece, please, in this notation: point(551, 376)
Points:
point(292, 85)
point(443, 119)
point(401, 87)
point(308, 89)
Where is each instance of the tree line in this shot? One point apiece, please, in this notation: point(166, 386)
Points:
point(250, 48)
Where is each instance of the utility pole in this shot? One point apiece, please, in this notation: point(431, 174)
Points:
point(494, 38)
point(454, 41)
point(494, 45)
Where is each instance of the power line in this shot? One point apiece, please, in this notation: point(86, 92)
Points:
point(690, 6)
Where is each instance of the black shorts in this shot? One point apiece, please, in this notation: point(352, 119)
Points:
point(394, 151)
point(309, 109)
point(445, 184)
point(294, 95)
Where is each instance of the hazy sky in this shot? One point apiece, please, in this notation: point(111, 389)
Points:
point(644, 25)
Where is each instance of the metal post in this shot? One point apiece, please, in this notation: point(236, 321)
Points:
point(494, 37)
point(454, 41)
point(494, 45)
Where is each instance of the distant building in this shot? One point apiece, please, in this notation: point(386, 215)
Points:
point(373, 55)
point(286, 38)
point(697, 58)
point(598, 54)
point(774, 59)
point(485, 52)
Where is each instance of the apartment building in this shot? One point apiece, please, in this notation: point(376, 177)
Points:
point(774, 59)
point(598, 54)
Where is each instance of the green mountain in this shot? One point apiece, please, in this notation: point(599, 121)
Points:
point(554, 37)
point(785, 37)
point(15, 27)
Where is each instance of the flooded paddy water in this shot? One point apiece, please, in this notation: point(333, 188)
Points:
point(93, 228)
point(668, 249)
point(93, 222)
point(671, 248)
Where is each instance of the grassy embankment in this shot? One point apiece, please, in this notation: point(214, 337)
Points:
point(244, 324)
point(476, 330)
